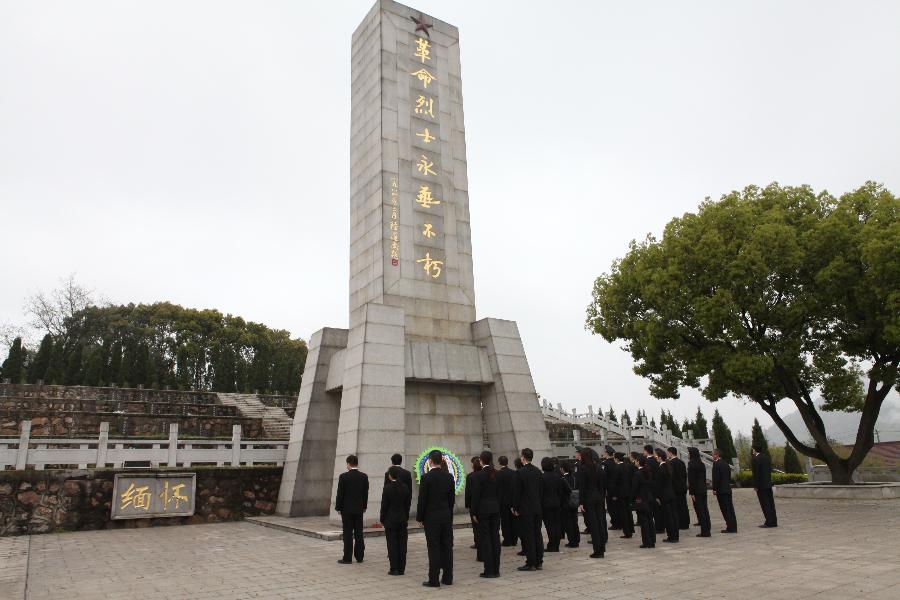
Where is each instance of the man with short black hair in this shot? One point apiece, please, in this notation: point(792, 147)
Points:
point(405, 476)
point(529, 495)
point(721, 486)
point(612, 484)
point(505, 483)
point(680, 485)
point(351, 501)
point(761, 466)
point(437, 495)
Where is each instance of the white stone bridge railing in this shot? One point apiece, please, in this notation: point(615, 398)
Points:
point(634, 436)
point(97, 452)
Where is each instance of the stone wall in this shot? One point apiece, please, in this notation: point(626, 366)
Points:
point(76, 500)
point(87, 424)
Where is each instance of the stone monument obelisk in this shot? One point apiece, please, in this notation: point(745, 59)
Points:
point(415, 369)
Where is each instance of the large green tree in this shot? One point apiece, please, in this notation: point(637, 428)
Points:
point(777, 294)
point(40, 362)
point(163, 344)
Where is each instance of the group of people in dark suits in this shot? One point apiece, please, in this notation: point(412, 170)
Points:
point(511, 506)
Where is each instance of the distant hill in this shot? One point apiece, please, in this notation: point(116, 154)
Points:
point(842, 426)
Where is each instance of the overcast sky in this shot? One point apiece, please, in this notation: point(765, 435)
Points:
point(198, 151)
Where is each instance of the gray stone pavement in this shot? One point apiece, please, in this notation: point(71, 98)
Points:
point(823, 549)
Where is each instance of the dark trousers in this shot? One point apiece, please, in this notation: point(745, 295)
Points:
point(612, 509)
point(396, 538)
point(476, 535)
point(658, 519)
point(625, 517)
point(593, 512)
point(510, 537)
point(353, 536)
point(532, 539)
point(702, 510)
point(767, 503)
point(681, 511)
point(727, 508)
point(670, 521)
point(489, 542)
point(553, 525)
point(439, 539)
point(570, 525)
point(516, 526)
point(648, 535)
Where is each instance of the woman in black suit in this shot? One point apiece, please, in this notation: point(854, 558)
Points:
point(643, 499)
point(395, 502)
point(697, 489)
point(569, 512)
point(485, 507)
point(592, 486)
point(467, 496)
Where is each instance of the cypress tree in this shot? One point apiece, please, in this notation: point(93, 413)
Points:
point(611, 415)
point(701, 431)
point(758, 438)
point(56, 368)
point(14, 366)
point(791, 460)
point(722, 437)
point(41, 361)
point(625, 419)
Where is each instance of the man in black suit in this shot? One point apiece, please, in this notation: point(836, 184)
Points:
point(680, 485)
point(761, 466)
point(437, 495)
point(721, 486)
point(624, 475)
point(405, 476)
point(351, 501)
point(612, 483)
point(665, 497)
point(529, 495)
point(505, 480)
point(653, 467)
point(395, 501)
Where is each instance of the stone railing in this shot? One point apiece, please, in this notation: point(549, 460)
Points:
point(633, 436)
point(99, 452)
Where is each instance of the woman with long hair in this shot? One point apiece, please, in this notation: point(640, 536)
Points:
point(569, 512)
point(697, 489)
point(592, 487)
point(642, 499)
point(485, 507)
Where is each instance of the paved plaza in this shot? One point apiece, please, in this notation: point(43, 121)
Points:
point(823, 550)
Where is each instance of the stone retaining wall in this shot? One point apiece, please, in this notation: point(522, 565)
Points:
point(76, 500)
point(87, 424)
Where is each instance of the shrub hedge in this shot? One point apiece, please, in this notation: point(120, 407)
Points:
point(745, 478)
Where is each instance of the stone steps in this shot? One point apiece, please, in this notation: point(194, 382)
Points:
point(276, 423)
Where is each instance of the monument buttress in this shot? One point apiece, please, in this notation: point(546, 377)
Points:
point(415, 369)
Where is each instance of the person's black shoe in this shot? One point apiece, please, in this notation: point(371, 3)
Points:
point(429, 584)
point(625, 537)
point(393, 573)
point(613, 528)
point(597, 555)
point(724, 531)
point(539, 567)
point(670, 541)
point(551, 549)
point(645, 546)
point(704, 535)
point(526, 568)
point(520, 553)
point(446, 582)
point(696, 524)
point(571, 545)
point(359, 560)
point(345, 562)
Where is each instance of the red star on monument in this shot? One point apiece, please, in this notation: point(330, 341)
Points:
point(421, 25)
